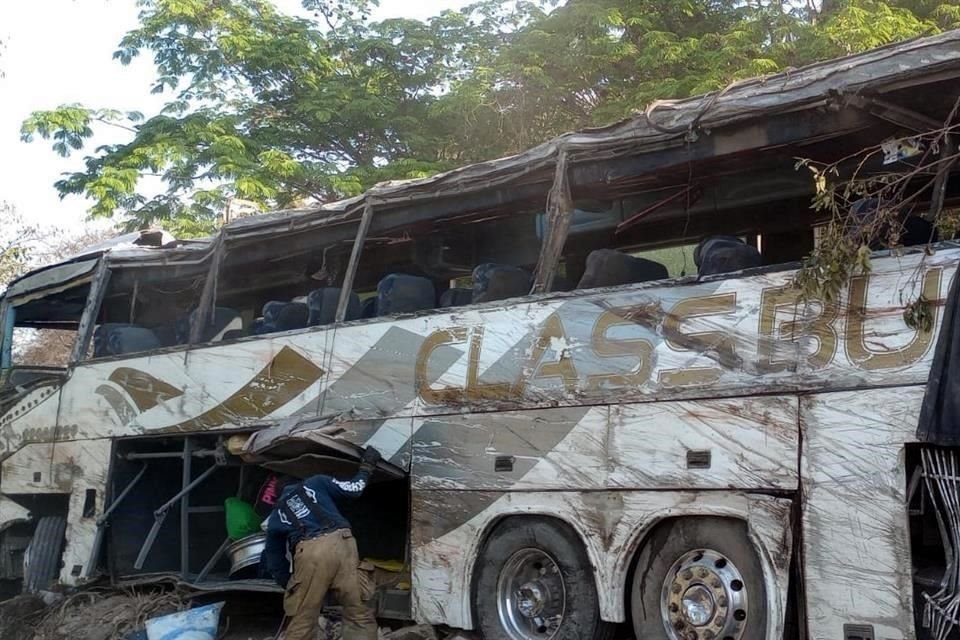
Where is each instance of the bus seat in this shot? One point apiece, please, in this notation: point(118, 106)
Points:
point(117, 339)
point(267, 322)
point(323, 306)
point(610, 268)
point(223, 320)
point(498, 282)
point(272, 310)
point(166, 334)
point(401, 293)
point(915, 230)
point(456, 297)
point(293, 315)
point(724, 254)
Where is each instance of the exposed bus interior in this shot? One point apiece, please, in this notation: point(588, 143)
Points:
point(451, 253)
point(169, 518)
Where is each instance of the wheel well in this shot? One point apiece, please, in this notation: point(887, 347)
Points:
point(42, 504)
point(516, 520)
point(643, 538)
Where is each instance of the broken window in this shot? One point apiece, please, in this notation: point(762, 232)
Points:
point(145, 308)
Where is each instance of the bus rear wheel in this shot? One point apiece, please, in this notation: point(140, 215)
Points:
point(534, 582)
point(699, 579)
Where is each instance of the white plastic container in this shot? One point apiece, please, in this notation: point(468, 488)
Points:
point(193, 624)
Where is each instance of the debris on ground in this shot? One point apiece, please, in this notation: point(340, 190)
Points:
point(104, 615)
point(111, 614)
point(16, 614)
point(418, 632)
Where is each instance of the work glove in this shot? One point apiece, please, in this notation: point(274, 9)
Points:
point(370, 459)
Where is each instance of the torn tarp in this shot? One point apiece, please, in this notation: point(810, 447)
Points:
point(940, 414)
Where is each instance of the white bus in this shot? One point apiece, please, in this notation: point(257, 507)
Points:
point(584, 424)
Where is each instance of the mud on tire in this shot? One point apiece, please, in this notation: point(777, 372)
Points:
point(534, 580)
point(706, 568)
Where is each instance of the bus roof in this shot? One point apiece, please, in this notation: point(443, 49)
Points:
point(814, 103)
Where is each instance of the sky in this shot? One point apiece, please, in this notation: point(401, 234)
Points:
point(60, 52)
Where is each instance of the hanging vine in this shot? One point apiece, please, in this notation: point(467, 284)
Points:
point(873, 210)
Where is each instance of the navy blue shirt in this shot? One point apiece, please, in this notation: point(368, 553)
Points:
point(324, 492)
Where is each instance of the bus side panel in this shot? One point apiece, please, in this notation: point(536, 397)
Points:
point(734, 443)
point(32, 418)
point(70, 468)
point(856, 544)
point(448, 529)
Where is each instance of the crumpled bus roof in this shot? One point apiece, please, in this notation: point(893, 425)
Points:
point(663, 127)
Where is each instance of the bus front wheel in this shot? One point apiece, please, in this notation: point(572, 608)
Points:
point(41, 560)
point(534, 582)
point(699, 579)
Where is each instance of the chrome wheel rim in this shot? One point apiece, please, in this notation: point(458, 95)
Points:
point(704, 598)
point(531, 596)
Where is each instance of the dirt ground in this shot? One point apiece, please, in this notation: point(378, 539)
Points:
point(120, 615)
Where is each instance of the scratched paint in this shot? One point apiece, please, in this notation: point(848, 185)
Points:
point(856, 537)
point(637, 344)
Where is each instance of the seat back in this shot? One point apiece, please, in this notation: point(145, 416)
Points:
point(222, 321)
point(401, 293)
point(117, 339)
point(323, 306)
point(499, 282)
point(724, 254)
point(293, 315)
point(456, 297)
point(914, 230)
point(610, 268)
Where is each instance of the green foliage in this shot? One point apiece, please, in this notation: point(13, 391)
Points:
point(869, 210)
point(276, 109)
point(16, 238)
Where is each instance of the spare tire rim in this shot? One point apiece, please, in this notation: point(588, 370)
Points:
point(704, 598)
point(531, 595)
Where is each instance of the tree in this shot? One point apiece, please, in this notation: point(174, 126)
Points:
point(276, 109)
point(16, 240)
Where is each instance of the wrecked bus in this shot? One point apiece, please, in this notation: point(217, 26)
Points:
point(578, 428)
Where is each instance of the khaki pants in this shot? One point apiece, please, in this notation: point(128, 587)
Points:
point(319, 565)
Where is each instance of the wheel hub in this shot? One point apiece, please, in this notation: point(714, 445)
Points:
point(531, 596)
point(704, 598)
point(531, 599)
point(698, 605)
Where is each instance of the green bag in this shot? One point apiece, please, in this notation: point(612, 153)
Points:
point(242, 520)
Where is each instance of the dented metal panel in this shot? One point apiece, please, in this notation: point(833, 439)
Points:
point(67, 467)
point(856, 545)
point(748, 443)
point(744, 443)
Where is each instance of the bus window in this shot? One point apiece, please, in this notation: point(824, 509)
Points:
point(149, 308)
point(40, 333)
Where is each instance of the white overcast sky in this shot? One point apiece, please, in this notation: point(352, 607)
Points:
point(59, 51)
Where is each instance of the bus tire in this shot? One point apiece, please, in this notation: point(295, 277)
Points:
point(698, 578)
point(524, 564)
point(41, 561)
